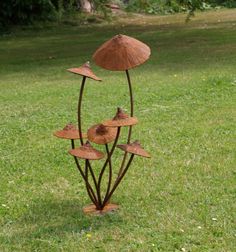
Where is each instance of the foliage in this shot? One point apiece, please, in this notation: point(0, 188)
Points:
point(226, 3)
point(154, 6)
point(27, 11)
point(172, 6)
point(100, 6)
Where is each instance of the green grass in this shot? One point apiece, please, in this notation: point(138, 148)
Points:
point(183, 199)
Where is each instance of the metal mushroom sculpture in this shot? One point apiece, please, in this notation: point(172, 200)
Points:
point(120, 53)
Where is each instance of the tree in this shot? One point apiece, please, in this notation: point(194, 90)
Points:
point(27, 11)
point(86, 6)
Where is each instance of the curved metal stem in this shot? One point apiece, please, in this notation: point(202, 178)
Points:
point(93, 176)
point(79, 109)
point(81, 139)
point(118, 180)
point(72, 143)
point(88, 186)
point(130, 94)
point(130, 127)
point(104, 166)
point(87, 183)
point(110, 174)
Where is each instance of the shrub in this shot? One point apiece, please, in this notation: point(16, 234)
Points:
point(27, 11)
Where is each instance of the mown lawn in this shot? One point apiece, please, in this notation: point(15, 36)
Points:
point(183, 199)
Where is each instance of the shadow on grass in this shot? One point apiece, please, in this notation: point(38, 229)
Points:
point(56, 218)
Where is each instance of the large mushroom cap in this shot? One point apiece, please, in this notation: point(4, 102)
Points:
point(86, 151)
point(100, 134)
point(69, 132)
point(134, 148)
point(120, 119)
point(121, 53)
point(84, 70)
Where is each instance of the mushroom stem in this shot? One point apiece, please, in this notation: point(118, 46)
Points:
point(130, 127)
point(88, 186)
point(110, 173)
point(72, 143)
point(81, 139)
point(93, 198)
point(92, 174)
point(130, 94)
point(117, 182)
point(79, 109)
point(104, 166)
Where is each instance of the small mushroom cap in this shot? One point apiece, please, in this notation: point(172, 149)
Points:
point(86, 151)
point(134, 148)
point(84, 70)
point(120, 119)
point(100, 134)
point(121, 53)
point(69, 132)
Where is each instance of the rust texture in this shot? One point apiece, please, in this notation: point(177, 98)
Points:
point(120, 120)
point(120, 53)
point(69, 132)
point(84, 70)
point(86, 151)
point(100, 134)
point(134, 148)
point(91, 209)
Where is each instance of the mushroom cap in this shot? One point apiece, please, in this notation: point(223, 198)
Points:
point(100, 134)
point(69, 132)
point(84, 70)
point(86, 151)
point(134, 148)
point(121, 53)
point(120, 119)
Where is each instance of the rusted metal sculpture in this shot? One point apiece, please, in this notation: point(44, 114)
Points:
point(120, 53)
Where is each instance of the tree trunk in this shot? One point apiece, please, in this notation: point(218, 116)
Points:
point(86, 6)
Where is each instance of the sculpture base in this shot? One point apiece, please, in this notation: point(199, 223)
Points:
point(91, 209)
